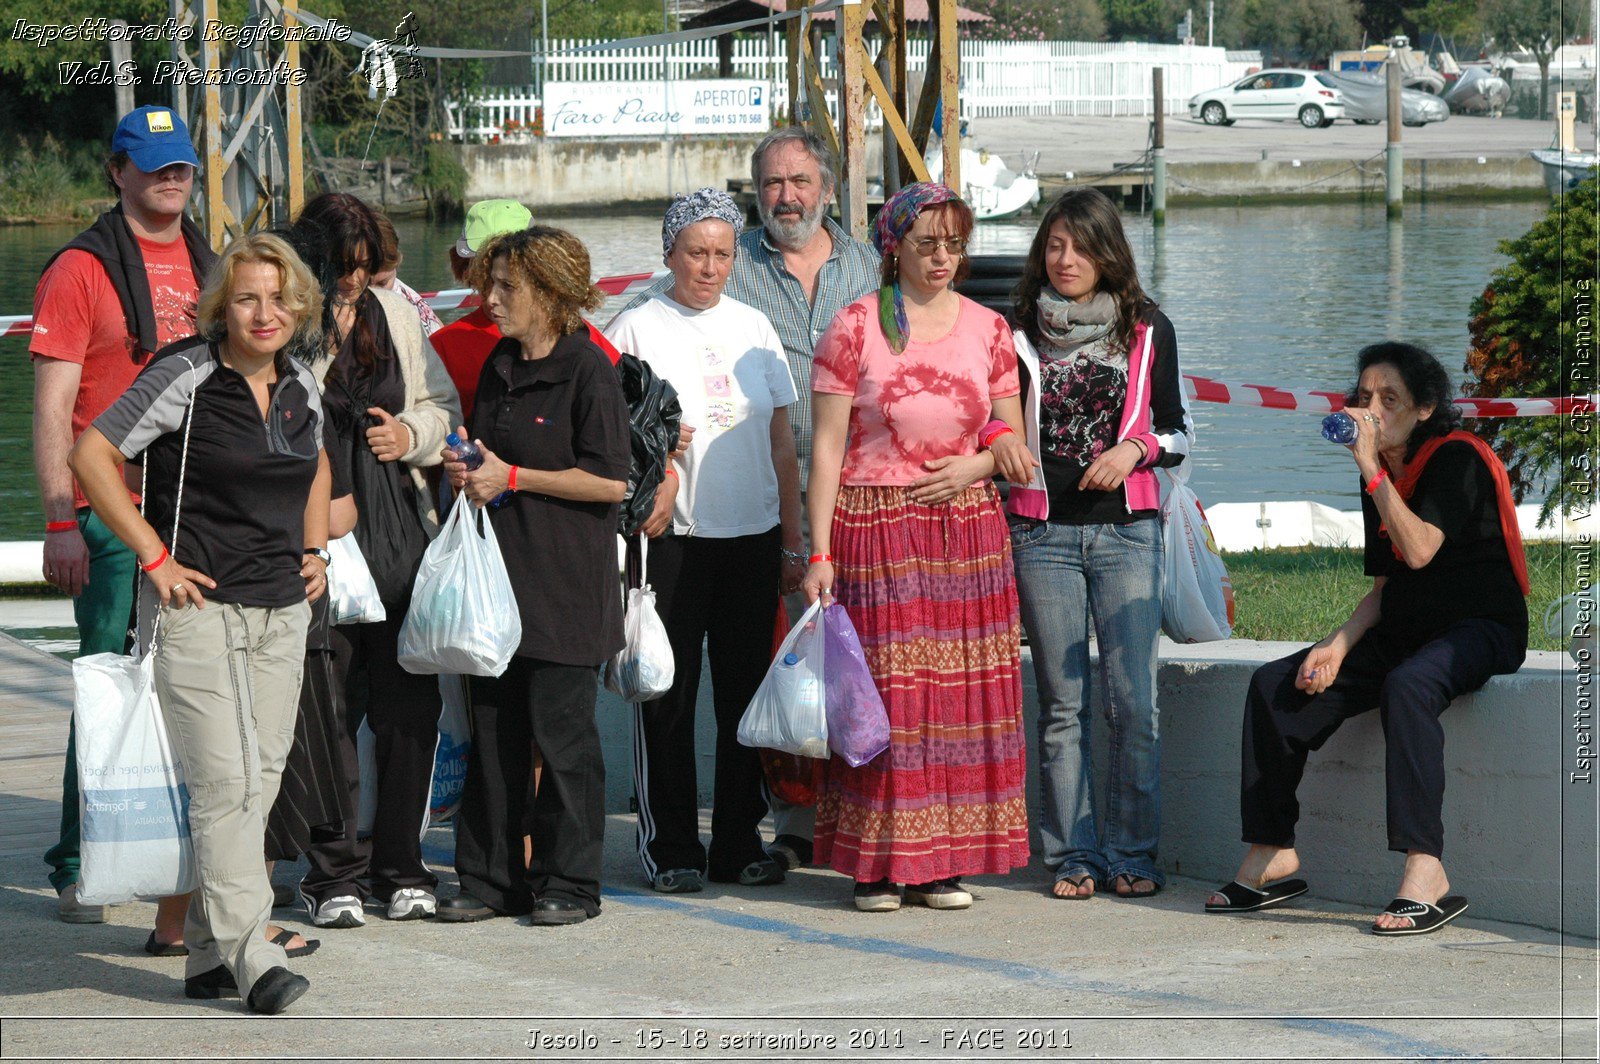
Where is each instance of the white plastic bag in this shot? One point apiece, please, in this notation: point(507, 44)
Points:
point(1196, 594)
point(642, 670)
point(352, 594)
point(463, 617)
point(133, 807)
point(789, 710)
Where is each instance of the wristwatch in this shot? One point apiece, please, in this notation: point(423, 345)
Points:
point(327, 559)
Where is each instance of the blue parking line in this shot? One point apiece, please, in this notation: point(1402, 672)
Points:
point(1386, 1043)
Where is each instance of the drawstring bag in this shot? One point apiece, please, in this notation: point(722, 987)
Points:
point(788, 711)
point(642, 670)
point(463, 617)
point(133, 806)
point(353, 596)
point(858, 724)
point(1196, 594)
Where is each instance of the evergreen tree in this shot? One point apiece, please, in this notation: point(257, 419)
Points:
point(1533, 336)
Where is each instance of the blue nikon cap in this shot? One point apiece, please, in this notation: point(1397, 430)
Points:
point(154, 137)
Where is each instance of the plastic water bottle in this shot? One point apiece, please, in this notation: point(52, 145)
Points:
point(1339, 427)
point(470, 454)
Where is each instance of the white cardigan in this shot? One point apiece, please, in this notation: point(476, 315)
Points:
point(432, 408)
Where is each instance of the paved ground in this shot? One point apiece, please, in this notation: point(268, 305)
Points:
point(1086, 145)
point(780, 973)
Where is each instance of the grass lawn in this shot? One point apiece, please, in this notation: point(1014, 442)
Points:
point(1303, 593)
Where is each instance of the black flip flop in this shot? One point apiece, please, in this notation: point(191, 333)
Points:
point(286, 936)
point(1243, 899)
point(1425, 919)
point(164, 949)
point(1077, 880)
point(1133, 895)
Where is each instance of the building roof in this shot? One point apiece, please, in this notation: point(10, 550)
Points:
point(740, 10)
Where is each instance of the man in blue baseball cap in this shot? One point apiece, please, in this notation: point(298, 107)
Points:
point(123, 288)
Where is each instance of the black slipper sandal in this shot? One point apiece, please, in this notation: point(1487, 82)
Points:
point(1243, 899)
point(1134, 895)
point(1425, 919)
point(286, 936)
point(1077, 882)
point(164, 949)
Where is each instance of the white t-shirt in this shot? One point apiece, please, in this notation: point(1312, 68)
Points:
point(730, 373)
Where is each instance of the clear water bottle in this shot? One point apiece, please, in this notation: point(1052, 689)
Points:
point(1339, 427)
point(469, 453)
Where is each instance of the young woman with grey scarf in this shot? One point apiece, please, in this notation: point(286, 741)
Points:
point(1103, 407)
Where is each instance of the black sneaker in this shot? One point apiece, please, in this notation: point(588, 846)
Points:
point(791, 851)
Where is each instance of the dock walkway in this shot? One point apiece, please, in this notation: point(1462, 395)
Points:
point(773, 973)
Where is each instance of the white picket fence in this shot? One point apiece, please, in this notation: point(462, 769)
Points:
point(997, 77)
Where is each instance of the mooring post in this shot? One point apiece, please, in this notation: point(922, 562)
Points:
point(1158, 161)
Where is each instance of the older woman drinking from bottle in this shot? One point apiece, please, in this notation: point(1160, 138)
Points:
point(552, 426)
point(231, 541)
point(1446, 611)
point(911, 384)
point(732, 503)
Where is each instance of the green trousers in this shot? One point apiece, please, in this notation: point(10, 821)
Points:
point(103, 613)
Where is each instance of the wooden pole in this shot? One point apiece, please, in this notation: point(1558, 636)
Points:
point(898, 87)
point(121, 53)
point(950, 91)
point(791, 60)
point(1394, 160)
point(211, 95)
point(293, 130)
point(850, 20)
point(1158, 161)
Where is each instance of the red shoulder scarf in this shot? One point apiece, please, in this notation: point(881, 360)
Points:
point(1502, 489)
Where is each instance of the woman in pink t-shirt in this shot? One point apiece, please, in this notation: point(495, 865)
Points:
point(910, 385)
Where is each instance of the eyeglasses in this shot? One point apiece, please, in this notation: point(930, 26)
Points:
point(927, 246)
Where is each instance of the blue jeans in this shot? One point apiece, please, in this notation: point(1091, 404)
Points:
point(1065, 573)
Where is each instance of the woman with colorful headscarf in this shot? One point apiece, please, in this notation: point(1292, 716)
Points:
point(726, 531)
point(910, 386)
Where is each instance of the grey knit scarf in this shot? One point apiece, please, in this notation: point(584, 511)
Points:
point(1068, 329)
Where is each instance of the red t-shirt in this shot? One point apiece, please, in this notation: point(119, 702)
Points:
point(464, 345)
point(78, 318)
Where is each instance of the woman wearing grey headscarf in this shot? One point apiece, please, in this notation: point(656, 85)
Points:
point(726, 532)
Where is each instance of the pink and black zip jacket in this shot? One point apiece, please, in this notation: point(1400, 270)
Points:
point(1155, 412)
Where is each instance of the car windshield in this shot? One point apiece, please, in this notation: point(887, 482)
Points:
point(1327, 81)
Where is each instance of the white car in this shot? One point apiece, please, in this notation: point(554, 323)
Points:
point(1295, 95)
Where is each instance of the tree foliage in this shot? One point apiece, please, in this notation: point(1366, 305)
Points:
point(1538, 27)
point(1042, 20)
point(1533, 336)
point(1144, 20)
point(1306, 30)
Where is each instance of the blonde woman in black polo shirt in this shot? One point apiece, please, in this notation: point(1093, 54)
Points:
point(553, 425)
point(230, 433)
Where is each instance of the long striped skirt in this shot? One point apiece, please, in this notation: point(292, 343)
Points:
point(930, 590)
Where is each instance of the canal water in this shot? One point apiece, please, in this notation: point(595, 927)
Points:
point(1280, 295)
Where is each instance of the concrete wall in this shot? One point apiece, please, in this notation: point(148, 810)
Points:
point(555, 172)
point(1520, 838)
point(1278, 176)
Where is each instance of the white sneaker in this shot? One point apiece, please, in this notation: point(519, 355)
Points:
point(411, 903)
point(341, 911)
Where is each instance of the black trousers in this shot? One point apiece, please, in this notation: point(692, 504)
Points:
point(722, 594)
point(1409, 686)
point(534, 704)
point(403, 712)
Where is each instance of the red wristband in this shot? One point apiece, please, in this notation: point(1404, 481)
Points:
point(673, 473)
point(511, 481)
point(60, 526)
point(153, 566)
point(815, 558)
point(1372, 485)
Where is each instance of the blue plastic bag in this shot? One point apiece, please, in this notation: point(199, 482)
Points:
point(858, 723)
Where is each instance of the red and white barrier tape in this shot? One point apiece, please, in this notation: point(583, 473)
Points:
point(625, 284)
point(1199, 389)
point(1207, 390)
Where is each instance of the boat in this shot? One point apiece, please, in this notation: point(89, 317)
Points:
point(1564, 169)
point(1415, 72)
point(992, 189)
point(1478, 91)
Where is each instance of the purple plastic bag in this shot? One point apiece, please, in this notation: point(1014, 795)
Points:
point(858, 725)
